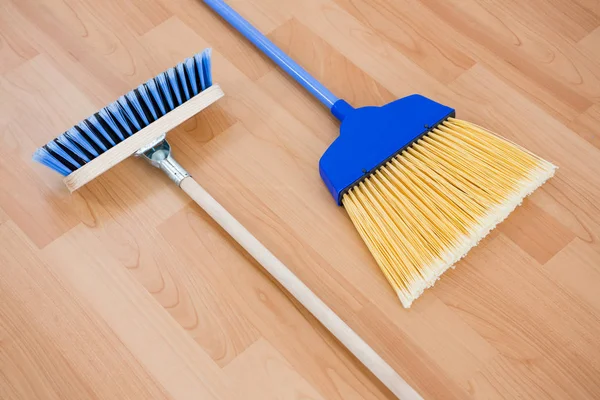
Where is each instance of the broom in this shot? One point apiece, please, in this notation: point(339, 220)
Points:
point(421, 187)
point(135, 124)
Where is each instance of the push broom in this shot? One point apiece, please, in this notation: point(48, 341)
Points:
point(136, 124)
point(421, 187)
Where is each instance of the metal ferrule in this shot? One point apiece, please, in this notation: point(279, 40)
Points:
point(159, 155)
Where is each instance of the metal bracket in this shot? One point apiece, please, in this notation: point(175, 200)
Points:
point(158, 153)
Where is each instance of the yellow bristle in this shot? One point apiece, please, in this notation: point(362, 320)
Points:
point(423, 210)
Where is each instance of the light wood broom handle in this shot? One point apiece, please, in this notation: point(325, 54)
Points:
point(300, 291)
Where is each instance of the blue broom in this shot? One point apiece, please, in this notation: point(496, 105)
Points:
point(421, 187)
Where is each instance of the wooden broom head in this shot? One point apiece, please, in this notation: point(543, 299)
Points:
point(142, 138)
point(427, 207)
point(134, 121)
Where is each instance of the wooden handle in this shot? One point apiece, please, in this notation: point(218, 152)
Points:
point(300, 291)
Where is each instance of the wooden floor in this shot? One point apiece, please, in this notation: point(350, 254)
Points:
point(126, 290)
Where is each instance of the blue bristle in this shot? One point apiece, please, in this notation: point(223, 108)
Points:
point(126, 116)
point(98, 125)
point(66, 141)
point(172, 75)
point(182, 78)
point(55, 148)
point(155, 92)
point(44, 157)
point(198, 60)
point(154, 88)
point(116, 111)
point(163, 83)
point(206, 67)
point(124, 104)
point(137, 104)
point(86, 125)
point(190, 66)
point(107, 117)
point(76, 136)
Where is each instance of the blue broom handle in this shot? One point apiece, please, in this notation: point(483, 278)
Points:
point(284, 61)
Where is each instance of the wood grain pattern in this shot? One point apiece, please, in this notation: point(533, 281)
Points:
point(126, 289)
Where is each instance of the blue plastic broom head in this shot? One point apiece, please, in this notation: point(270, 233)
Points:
point(371, 136)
